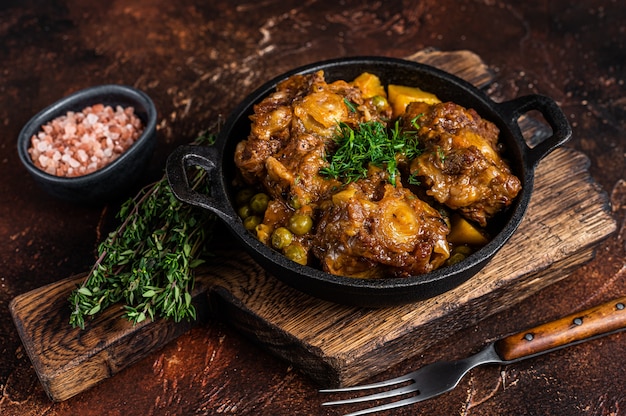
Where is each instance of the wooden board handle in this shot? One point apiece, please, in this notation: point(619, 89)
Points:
point(70, 360)
point(575, 328)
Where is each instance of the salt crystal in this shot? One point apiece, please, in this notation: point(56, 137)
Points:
point(70, 129)
point(42, 146)
point(82, 155)
point(43, 160)
point(92, 118)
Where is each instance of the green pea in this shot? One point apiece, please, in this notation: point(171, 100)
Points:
point(281, 238)
point(455, 258)
point(244, 211)
point(297, 253)
point(463, 249)
point(295, 202)
point(379, 101)
point(259, 202)
point(243, 196)
point(251, 222)
point(300, 224)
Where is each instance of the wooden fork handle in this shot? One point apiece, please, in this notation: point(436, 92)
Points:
point(578, 327)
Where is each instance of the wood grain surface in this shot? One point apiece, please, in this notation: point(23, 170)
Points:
point(333, 344)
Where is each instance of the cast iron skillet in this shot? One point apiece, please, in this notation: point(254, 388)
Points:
point(218, 161)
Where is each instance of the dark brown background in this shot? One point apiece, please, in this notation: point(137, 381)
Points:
point(197, 59)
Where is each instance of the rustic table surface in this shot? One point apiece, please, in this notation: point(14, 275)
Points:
point(197, 60)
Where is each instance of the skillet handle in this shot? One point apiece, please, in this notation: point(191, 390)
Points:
point(207, 158)
point(561, 129)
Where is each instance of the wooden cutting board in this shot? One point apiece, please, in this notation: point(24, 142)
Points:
point(333, 344)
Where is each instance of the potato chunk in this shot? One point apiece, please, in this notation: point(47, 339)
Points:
point(370, 85)
point(464, 232)
point(400, 96)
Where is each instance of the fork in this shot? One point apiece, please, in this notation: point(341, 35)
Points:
point(440, 377)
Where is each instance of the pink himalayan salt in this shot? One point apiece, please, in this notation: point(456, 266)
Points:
point(79, 143)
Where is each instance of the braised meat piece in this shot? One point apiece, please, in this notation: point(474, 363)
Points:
point(460, 164)
point(372, 229)
point(290, 132)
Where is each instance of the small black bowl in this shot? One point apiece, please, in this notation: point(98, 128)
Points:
point(112, 180)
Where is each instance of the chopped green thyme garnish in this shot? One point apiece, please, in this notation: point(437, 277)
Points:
point(350, 105)
point(148, 262)
point(373, 143)
point(441, 154)
point(413, 179)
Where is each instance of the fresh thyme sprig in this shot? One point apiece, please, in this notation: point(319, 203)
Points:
point(371, 142)
point(148, 262)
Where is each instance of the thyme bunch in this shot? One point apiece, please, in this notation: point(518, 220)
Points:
point(148, 262)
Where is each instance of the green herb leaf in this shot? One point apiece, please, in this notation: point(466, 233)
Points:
point(413, 179)
point(350, 105)
point(85, 291)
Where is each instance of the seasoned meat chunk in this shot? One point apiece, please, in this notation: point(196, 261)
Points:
point(395, 235)
point(460, 164)
point(270, 128)
point(291, 130)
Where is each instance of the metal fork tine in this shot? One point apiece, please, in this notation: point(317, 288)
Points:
point(388, 406)
point(384, 383)
point(376, 396)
